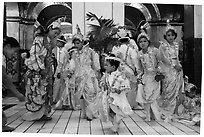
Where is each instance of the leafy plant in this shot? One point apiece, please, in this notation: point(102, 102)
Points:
point(101, 34)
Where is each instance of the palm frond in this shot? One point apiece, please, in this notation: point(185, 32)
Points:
point(90, 16)
point(102, 32)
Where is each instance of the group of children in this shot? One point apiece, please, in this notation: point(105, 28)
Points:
point(131, 78)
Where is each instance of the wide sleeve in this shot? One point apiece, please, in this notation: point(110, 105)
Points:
point(134, 45)
point(140, 70)
point(37, 55)
point(120, 81)
point(157, 57)
point(102, 83)
point(124, 83)
point(134, 59)
point(177, 53)
point(62, 60)
point(95, 60)
point(163, 57)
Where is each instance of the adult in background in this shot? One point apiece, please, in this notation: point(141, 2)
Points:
point(10, 46)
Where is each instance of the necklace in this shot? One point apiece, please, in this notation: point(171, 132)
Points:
point(147, 59)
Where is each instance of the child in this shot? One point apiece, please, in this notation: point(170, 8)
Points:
point(87, 70)
point(59, 83)
point(68, 99)
point(39, 87)
point(173, 84)
point(148, 60)
point(115, 86)
point(189, 105)
point(128, 55)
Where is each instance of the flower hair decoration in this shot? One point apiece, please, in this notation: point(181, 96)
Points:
point(78, 35)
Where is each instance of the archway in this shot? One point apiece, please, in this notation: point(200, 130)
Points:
point(135, 13)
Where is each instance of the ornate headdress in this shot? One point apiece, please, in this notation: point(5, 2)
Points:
point(143, 33)
point(57, 23)
point(122, 34)
point(78, 35)
point(37, 24)
point(113, 58)
point(169, 27)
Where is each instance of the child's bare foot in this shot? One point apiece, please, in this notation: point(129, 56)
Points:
point(115, 128)
point(147, 119)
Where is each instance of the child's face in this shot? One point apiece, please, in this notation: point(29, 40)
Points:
point(78, 44)
point(143, 43)
point(170, 37)
point(108, 67)
point(53, 33)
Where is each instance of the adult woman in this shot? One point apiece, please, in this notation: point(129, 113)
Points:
point(10, 46)
point(148, 60)
point(173, 83)
point(86, 71)
point(40, 74)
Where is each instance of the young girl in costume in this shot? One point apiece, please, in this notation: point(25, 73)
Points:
point(68, 99)
point(173, 84)
point(40, 74)
point(114, 87)
point(148, 60)
point(87, 69)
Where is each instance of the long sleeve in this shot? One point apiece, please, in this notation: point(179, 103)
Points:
point(95, 59)
point(37, 55)
point(163, 57)
point(134, 59)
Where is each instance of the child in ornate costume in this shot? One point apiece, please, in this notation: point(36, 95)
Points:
point(59, 83)
point(148, 60)
point(189, 105)
point(114, 87)
point(173, 84)
point(40, 74)
point(129, 66)
point(68, 98)
point(87, 69)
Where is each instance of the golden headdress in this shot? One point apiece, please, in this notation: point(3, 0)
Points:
point(78, 35)
point(57, 23)
point(123, 34)
point(143, 33)
point(169, 27)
